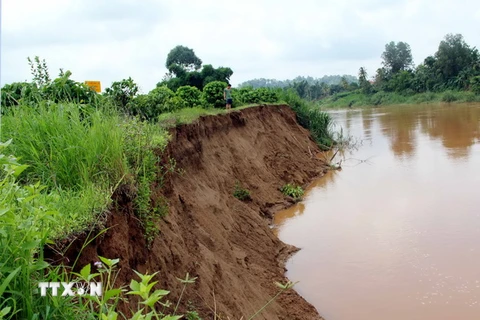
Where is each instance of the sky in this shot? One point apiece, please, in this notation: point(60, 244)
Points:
point(109, 40)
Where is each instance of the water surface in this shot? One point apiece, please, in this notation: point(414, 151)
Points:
point(396, 233)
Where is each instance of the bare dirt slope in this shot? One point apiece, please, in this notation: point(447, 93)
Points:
point(225, 242)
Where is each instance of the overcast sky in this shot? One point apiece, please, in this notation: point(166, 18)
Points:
point(109, 40)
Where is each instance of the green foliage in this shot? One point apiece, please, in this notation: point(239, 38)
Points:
point(453, 56)
point(159, 100)
point(475, 84)
point(241, 193)
point(122, 93)
point(248, 95)
point(184, 70)
point(449, 96)
point(182, 57)
point(363, 82)
point(213, 94)
point(319, 123)
point(159, 97)
point(62, 89)
point(191, 95)
point(39, 71)
point(397, 57)
point(294, 191)
point(27, 212)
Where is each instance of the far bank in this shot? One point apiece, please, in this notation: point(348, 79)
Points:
point(356, 99)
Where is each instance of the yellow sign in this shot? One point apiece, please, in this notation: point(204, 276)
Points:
point(94, 85)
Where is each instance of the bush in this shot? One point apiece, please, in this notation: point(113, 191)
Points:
point(173, 104)
point(191, 95)
point(213, 94)
point(248, 95)
point(122, 93)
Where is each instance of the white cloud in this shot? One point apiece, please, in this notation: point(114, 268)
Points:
point(109, 40)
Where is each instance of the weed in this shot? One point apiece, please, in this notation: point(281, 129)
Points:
point(294, 191)
point(240, 193)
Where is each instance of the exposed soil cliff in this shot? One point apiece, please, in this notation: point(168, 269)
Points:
point(223, 241)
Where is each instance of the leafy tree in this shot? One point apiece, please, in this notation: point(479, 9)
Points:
point(401, 81)
point(182, 57)
point(122, 92)
point(363, 82)
point(397, 57)
point(453, 56)
point(184, 70)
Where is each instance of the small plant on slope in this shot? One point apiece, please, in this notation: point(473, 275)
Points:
point(290, 190)
point(241, 193)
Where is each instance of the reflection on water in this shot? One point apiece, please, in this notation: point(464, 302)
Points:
point(397, 236)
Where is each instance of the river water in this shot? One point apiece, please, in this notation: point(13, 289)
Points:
point(396, 233)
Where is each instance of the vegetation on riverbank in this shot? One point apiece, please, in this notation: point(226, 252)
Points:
point(73, 148)
point(451, 74)
point(359, 99)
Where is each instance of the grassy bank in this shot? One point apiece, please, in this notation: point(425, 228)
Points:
point(357, 99)
point(69, 159)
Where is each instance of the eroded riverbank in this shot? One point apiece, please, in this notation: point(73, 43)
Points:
point(228, 244)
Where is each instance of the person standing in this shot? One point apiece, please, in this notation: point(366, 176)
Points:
point(227, 95)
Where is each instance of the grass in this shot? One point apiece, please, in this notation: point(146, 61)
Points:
point(357, 99)
point(81, 156)
point(189, 115)
point(319, 123)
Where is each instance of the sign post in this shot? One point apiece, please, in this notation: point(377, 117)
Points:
point(94, 85)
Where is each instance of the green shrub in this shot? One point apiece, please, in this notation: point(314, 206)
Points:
point(213, 94)
point(173, 104)
point(296, 192)
point(191, 95)
point(240, 193)
point(475, 84)
point(121, 93)
point(159, 100)
point(159, 96)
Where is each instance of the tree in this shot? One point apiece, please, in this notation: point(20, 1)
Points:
point(397, 57)
point(365, 85)
point(122, 92)
point(182, 58)
point(453, 56)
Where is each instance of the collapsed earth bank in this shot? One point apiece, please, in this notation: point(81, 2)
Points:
point(227, 243)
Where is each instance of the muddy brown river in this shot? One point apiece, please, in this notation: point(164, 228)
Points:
point(396, 233)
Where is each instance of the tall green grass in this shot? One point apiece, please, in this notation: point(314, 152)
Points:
point(80, 154)
point(319, 123)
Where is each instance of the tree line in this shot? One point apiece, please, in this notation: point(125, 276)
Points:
point(454, 66)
